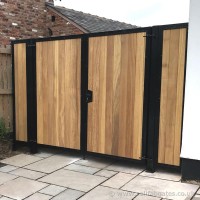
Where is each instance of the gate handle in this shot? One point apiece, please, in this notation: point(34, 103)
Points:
point(89, 96)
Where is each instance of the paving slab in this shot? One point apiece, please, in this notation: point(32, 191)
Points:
point(21, 160)
point(28, 173)
point(105, 193)
point(161, 174)
point(82, 168)
point(145, 197)
point(161, 188)
point(39, 196)
point(52, 163)
point(69, 195)
point(196, 197)
point(95, 162)
point(5, 198)
point(198, 192)
point(106, 173)
point(126, 168)
point(73, 180)
point(7, 168)
point(4, 177)
point(20, 188)
point(118, 180)
point(52, 190)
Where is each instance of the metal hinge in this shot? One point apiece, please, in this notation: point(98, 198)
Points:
point(89, 95)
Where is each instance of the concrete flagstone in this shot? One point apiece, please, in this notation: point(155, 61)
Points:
point(81, 168)
point(198, 192)
point(196, 197)
point(52, 163)
point(161, 188)
point(7, 168)
point(74, 180)
point(5, 198)
point(106, 173)
point(20, 188)
point(126, 168)
point(105, 193)
point(118, 180)
point(27, 173)
point(69, 195)
point(52, 190)
point(94, 162)
point(21, 160)
point(4, 177)
point(145, 197)
point(161, 174)
point(39, 196)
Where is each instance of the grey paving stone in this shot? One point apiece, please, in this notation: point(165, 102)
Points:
point(126, 168)
point(52, 190)
point(118, 180)
point(106, 173)
point(52, 163)
point(94, 162)
point(161, 188)
point(69, 195)
point(144, 197)
point(198, 192)
point(20, 188)
point(43, 154)
point(74, 180)
point(161, 174)
point(196, 197)
point(81, 168)
point(5, 198)
point(21, 160)
point(4, 177)
point(105, 193)
point(27, 173)
point(7, 168)
point(38, 196)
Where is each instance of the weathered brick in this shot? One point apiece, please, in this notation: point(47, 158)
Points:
point(28, 19)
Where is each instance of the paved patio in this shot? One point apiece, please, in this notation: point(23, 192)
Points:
point(61, 176)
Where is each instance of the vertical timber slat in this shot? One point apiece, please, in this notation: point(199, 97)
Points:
point(58, 93)
point(116, 77)
point(173, 65)
point(20, 91)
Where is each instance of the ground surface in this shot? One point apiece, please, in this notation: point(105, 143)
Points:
point(6, 149)
point(61, 176)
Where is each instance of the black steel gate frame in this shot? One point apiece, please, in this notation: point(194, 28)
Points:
point(152, 91)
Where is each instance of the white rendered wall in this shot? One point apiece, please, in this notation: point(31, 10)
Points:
point(191, 122)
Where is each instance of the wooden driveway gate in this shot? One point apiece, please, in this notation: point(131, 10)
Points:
point(117, 93)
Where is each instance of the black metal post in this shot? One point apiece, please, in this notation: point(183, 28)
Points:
point(154, 98)
point(84, 89)
point(31, 95)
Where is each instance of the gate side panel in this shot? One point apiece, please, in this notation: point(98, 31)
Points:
point(116, 77)
point(58, 93)
point(172, 86)
point(20, 92)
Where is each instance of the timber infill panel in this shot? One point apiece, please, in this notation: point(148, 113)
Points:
point(20, 92)
point(116, 77)
point(172, 87)
point(58, 66)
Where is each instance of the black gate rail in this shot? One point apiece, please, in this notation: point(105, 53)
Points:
point(152, 91)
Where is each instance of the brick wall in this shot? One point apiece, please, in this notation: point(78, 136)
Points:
point(60, 26)
point(22, 19)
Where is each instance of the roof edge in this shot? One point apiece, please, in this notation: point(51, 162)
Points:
point(51, 7)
